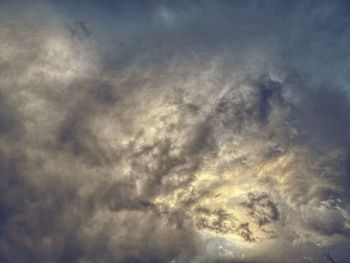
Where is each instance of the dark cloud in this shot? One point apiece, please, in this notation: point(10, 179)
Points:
point(261, 208)
point(187, 131)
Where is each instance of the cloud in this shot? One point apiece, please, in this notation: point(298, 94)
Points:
point(190, 133)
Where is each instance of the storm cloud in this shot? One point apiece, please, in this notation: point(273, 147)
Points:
point(174, 131)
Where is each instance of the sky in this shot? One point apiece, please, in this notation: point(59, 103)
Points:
point(190, 131)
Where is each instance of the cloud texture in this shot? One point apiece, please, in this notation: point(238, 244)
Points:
point(186, 131)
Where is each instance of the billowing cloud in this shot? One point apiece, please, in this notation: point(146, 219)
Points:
point(188, 131)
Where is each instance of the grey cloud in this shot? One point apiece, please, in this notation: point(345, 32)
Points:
point(127, 142)
point(323, 109)
point(261, 208)
point(7, 121)
point(79, 29)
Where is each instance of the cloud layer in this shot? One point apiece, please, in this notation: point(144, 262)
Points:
point(173, 132)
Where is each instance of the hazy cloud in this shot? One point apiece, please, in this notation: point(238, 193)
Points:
point(187, 131)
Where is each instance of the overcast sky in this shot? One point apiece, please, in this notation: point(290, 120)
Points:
point(174, 131)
